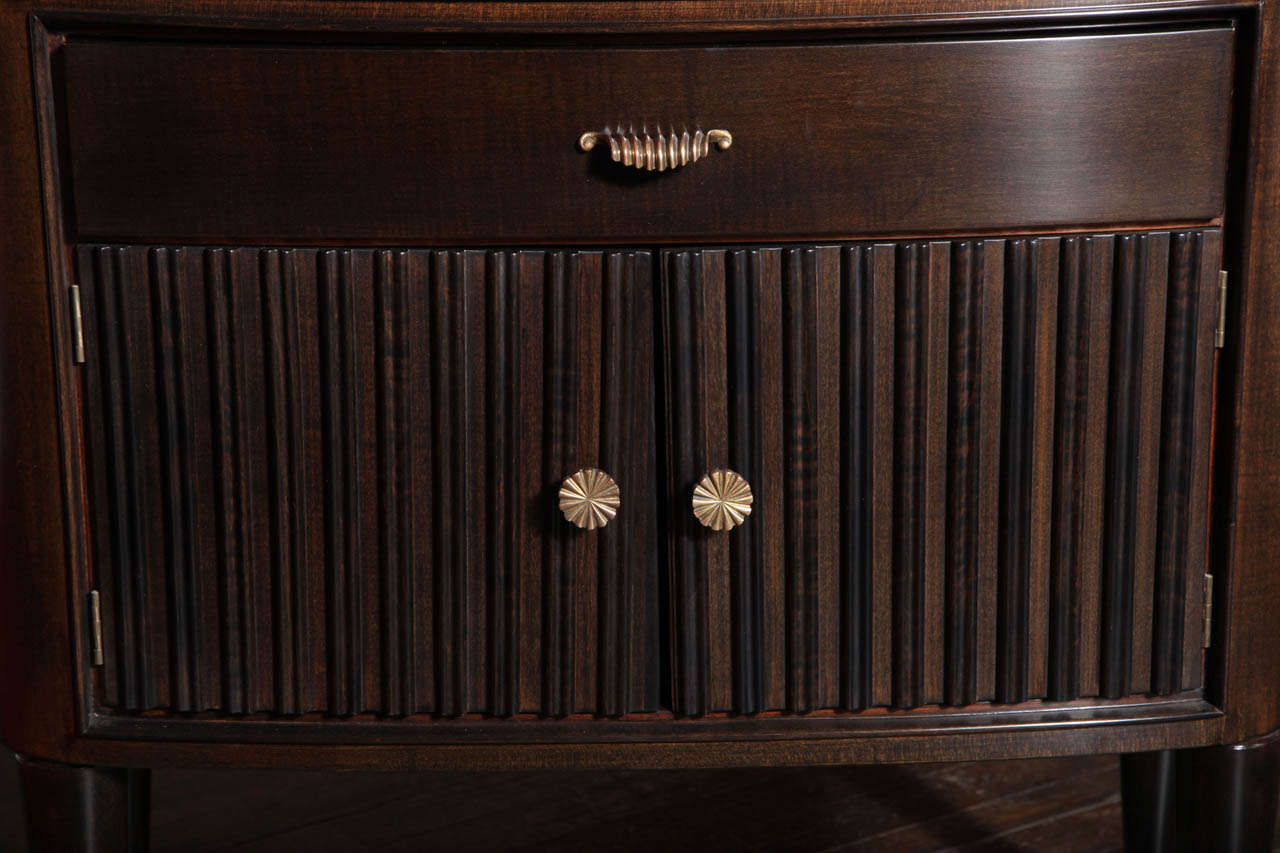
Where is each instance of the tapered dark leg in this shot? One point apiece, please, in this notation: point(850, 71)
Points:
point(85, 809)
point(1149, 782)
point(1220, 798)
point(1229, 794)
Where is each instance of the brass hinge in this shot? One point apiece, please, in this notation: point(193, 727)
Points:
point(1220, 334)
point(95, 627)
point(77, 325)
point(1208, 609)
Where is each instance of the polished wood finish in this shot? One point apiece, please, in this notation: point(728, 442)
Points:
point(1245, 655)
point(1215, 798)
point(47, 688)
point(1150, 799)
point(325, 481)
point(246, 143)
point(1228, 796)
point(689, 19)
point(979, 470)
point(94, 809)
point(305, 566)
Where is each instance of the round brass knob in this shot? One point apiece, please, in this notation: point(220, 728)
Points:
point(589, 498)
point(722, 499)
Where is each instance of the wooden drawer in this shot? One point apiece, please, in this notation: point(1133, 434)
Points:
point(194, 142)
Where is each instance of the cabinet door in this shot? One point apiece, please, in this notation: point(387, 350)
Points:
point(979, 470)
point(326, 481)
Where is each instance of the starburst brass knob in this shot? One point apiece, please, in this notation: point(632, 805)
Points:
point(722, 499)
point(589, 498)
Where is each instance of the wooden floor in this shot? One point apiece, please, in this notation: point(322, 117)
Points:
point(1058, 805)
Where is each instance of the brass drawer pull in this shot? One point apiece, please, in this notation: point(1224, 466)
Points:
point(722, 499)
point(589, 498)
point(656, 152)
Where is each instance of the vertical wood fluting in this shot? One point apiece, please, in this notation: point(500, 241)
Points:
point(1099, 254)
point(908, 480)
point(1155, 294)
point(1047, 261)
point(145, 464)
point(625, 658)
point(825, 274)
point(194, 344)
point(855, 529)
point(325, 480)
point(283, 417)
point(879, 495)
point(320, 480)
point(977, 435)
point(558, 423)
point(1120, 504)
point(689, 639)
point(991, 431)
point(103, 442)
point(529, 480)
point(502, 665)
point(1171, 582)
point(176, 481)
point(632, 655)
point(611, 646)
point(707, 277)
point(227, 449)
point(799, 517)
point(1015, 470)
point(933, 494)
point(742, 322)
point(770, 448)
point(1200, 428)
point(1064, 614)
point(971, 349)
point(442, 499)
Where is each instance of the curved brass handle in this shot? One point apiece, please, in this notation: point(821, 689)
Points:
point(656, 152)
point(589, 498)
point(722, 499)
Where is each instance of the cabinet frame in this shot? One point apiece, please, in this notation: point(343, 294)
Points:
point(43, 548)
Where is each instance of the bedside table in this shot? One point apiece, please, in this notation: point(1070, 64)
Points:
point(525, 385)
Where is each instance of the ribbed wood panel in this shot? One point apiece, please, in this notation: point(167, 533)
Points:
point(979, 470)
point(325, 481)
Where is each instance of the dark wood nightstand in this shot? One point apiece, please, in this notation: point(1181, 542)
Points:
point(640, 384)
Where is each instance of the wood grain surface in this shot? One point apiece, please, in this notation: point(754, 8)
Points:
point(325, 481)
point(230, 143)
point(43, 548)
point(871, 392)
point(1245, 655)
point(322, 481)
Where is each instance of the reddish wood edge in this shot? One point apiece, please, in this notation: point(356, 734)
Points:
point(1028, 716)
point(953, 746)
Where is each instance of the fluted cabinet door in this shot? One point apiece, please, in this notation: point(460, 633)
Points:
point(324, 481)
point(979, 470)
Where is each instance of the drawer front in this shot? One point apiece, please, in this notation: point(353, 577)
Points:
point(979, 470)
point(326, 481)
point(192, 142)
